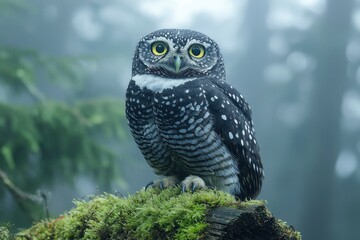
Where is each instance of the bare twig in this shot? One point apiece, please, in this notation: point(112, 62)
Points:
point(44, 198)
point(34, 91)
point(17, 193)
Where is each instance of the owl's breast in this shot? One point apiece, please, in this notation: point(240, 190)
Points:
point(182, 110)
point(139, 106)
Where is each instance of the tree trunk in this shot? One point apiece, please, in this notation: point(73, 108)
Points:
point(323, 126)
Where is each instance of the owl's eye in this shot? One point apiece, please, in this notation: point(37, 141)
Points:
point(159, 48)
point(197, 51)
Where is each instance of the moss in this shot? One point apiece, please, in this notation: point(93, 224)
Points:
point(5, 233)
point(151, 214)
point(288, 230)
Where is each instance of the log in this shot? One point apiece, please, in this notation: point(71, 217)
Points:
point(253, 222)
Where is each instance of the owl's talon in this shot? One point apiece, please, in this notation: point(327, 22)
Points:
point(183, 188)
point(149, 184)
point(161, 185)
point(166, 182)
point(194, 185)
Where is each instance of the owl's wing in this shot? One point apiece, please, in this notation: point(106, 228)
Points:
point(233, 123)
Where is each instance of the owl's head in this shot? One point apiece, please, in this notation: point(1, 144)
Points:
point(177, 53)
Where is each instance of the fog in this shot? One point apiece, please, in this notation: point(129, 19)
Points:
point(296, 62)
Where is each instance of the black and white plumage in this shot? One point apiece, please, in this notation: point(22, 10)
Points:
point(190, 124)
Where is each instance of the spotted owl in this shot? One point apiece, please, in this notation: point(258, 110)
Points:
point(192, 127)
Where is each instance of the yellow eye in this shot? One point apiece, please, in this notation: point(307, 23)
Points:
point(197, 51)
point(159, 48)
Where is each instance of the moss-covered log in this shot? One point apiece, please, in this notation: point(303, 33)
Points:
point(167, 214)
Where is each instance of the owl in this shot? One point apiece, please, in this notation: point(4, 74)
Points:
point(193, 128)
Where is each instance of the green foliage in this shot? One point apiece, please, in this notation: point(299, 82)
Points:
point(20, 69)
point(60, 137)
point(13, 5)
point(44, 140)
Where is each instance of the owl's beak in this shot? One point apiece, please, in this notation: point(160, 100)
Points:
point(177, 63)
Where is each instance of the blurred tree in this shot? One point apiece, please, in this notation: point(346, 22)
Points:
point(43, 140)
point(328, 42)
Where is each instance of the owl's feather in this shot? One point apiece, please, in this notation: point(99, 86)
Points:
point(234, 125)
